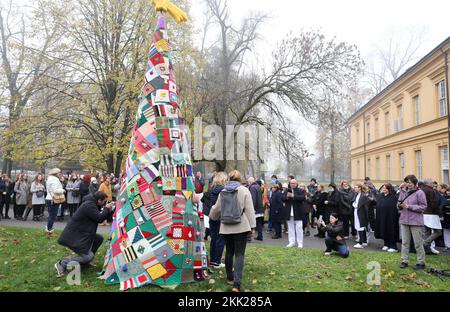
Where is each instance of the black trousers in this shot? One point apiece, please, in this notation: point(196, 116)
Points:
point(259, 227)
point(276, 225)
point(20, 209)
point(346, 224)
point(4, 201)
point(362, 237)
point(37, 210)
point(235, 250)
point(72, 208)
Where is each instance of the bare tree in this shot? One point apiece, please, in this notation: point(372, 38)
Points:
point(303, 66)
point(24, 63)
point(394, 56)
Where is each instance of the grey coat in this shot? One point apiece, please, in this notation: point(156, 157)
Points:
point(34, 188)
point(22, 191)
point(70, 187)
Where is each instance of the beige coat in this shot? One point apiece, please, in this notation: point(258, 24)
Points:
point(248, 220)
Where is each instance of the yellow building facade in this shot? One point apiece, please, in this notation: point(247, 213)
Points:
point(404, 129)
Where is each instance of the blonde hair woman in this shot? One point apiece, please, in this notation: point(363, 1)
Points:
point(209, 199)
point(235, 235)
point(54, 187)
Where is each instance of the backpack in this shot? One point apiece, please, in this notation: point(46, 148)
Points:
point(198, 187)
point(230, 209)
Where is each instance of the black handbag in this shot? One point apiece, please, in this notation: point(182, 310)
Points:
point(40, 194)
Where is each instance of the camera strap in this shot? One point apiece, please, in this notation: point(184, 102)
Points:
point(409, 194)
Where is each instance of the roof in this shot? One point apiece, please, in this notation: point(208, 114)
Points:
point(406, 73)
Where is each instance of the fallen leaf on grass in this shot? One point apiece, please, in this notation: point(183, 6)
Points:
point(211, 281)
point(16, 242)
point(349, 278)
point(382, 288)
point(402, 289)
point(318, 275)
point(254, 281)
point(6, 262)
point(272, 273)
point(422, 283)
point(327, 274)
point(56, 288)
point(369, 288)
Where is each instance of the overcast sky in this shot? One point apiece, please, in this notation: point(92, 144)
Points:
point(364, 23)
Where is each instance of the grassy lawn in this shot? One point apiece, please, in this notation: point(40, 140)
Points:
point(27, 258)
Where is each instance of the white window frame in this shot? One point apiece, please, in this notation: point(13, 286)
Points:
point(444, 164)
point(416, 102)
point(377, 168)
point(402, 165)
point(388, 165)
point(419, 164)
point(442, 98)
point(387, 120)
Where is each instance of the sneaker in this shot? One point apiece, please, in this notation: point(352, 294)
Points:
point(327, 253)
point(419, 266)
point(217, 265)
point(385, 248)
point(60, 272)
point(365, 244)
point(403, 265)
point(290, 245)
point(358, 246)
point(434, 251)
point(392, 250)
point(234, 289)
point(300, 246)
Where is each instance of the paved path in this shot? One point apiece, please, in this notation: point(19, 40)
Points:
point(309, 242)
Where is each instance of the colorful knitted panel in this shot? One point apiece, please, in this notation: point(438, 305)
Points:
point(156, 234)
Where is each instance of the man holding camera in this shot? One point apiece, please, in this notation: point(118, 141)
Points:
point(412, 203)
point(80, 234)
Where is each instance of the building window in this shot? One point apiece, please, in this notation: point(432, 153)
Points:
point(377, 168)
point(358, 170)
point(398, 124)
point(442, 98)
point(368, 132)
point(377, 130)
point(387, 123)
point(402, 165)
point(368, 168)
point(416, 110)
point(444, 164)
point(357, 136)
point(419, 164)
point(388, 165)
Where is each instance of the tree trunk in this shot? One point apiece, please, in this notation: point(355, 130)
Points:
point(118, 168)
point(110, 163)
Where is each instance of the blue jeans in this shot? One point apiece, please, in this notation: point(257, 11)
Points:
point(217, 244)
point(332, 244)
point(52, 212)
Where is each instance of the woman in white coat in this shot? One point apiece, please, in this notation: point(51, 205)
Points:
point(54, 187)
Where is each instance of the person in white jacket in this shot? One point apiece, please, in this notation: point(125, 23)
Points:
point(54, 187)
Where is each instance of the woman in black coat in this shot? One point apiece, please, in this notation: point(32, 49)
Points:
point(386, 222)
point(276, 209)
point(334, 198)
point(446, 221)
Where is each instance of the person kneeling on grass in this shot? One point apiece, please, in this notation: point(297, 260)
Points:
point(335, 237)
point(80, 234)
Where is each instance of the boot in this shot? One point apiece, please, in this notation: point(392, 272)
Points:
point(26, 214)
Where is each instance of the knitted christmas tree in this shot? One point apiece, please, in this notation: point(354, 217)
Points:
point(156, 236)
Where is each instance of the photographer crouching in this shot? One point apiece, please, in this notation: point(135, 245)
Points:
point(80, 234)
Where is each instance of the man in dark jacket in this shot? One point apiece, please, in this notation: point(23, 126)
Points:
point(294, 213)
point(255, 190)
point(347, 195)
point(432, 214)
point(80, 234)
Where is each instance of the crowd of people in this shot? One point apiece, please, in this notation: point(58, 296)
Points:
point(35, 195)
point(414, 215)
point(417, 214)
